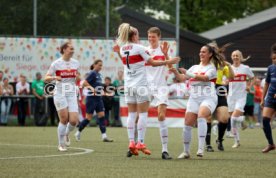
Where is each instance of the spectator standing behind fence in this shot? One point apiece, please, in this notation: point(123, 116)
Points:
point(257, 101)
point(6, 90)
point(1, 77)
point(22, 88)
point(1, 83)
point(37, 90)
point(0, 101)
point(119, 85)
point(80, 97)
point(107, 98)
point(249, 105)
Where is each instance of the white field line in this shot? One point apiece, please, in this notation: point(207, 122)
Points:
point(85, 151)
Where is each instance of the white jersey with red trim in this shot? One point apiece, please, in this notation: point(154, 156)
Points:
point(237, 86)
point(134, 57)
point(199, 88)
point(67, 70)
point(156, 75)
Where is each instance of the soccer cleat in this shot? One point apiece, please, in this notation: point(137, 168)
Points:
point(268, 148)
point(165, 155)
point(184, 155)
point(220, 145)
point(129, 154)
point(106, 139)
point(132, 148)
point(142, 147)
point(209, 148)
point(236, 145)
point(62, 148)
point(67, 140)
point(199, 153)
point(77, 136)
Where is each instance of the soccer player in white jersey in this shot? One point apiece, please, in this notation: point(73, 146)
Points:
point(158, 85)
point(64, 71)
point(237, 93)
point(134, 57)
point(203, 98)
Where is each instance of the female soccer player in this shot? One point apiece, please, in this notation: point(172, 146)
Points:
point(269, 100)
point(94, 100)
point(203, 99)
point(157, 80)
point(134, 57)
point(222, 109)
point(236, 98)
point(64, 71)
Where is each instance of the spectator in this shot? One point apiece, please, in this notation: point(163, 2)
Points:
point(119, 85)
point(38, 91)
point(7, 90)
point(81, 97)
point(1, 83)
point(107, 98)
point(22, 88)
point(257, 101)
point(1, 77)
point(249, 106)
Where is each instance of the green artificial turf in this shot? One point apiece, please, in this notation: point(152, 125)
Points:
point(109, 159)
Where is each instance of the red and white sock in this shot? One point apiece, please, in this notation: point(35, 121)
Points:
point(61, 133)
point(187, 137)
point(131, 125)
point(69, 128)
point(201, 132)
point(164, 135)
point(142, 126)
point(235, 125)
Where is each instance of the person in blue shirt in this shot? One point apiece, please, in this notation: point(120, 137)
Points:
point(269, 100)
point(94, 100)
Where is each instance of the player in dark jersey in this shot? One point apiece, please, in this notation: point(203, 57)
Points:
point(94, 101)
point(269, 100)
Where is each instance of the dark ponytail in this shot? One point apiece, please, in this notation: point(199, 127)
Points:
point(95, 63)
point(218, 57)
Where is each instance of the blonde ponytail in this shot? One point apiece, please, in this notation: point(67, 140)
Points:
point(123, 33)
point(241, 56)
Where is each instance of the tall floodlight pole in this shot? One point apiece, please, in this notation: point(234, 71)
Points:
point(34, 18)
point(107, 19)
point(177, 26)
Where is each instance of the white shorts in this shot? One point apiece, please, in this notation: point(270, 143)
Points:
point(137, 95)
point(159, 96)
point(236, 103)
point(194, 104)
point(70, 102)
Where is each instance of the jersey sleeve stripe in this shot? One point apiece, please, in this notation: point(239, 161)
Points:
point(132, 59)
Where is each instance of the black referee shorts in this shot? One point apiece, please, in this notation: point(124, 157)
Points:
point(222, 94)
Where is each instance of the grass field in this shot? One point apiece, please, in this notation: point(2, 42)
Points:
point(18, 144)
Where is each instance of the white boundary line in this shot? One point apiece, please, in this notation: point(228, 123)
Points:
point(85, 151)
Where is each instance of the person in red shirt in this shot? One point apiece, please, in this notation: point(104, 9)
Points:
point(257, 101)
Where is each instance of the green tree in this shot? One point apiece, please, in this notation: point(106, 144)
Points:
point(202, 15)
point(55, 17)
point(16, 17)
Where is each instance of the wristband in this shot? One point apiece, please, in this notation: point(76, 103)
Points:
point(190, 74)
